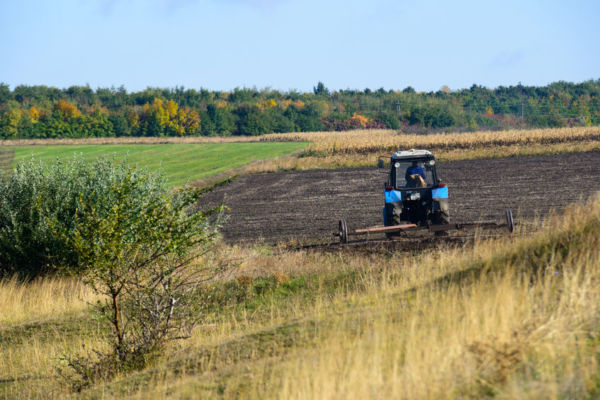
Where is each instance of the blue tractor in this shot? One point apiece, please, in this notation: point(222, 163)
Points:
point(415, 199)
point(414, 192)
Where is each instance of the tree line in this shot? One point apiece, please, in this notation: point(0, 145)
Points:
point(79, 111)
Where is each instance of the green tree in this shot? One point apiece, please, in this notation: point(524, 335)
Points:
point(321, 89)
point(250, 121)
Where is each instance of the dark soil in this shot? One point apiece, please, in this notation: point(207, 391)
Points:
point(307, 205)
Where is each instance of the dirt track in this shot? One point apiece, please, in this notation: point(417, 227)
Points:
point(307, 205)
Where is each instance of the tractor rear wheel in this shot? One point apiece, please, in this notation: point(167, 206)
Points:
point(441, 218)
point(395, 220)
point(392, 216)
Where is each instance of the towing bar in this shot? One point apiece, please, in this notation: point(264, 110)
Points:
point(343, 231)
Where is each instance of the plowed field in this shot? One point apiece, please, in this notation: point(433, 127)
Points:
point(307, 205)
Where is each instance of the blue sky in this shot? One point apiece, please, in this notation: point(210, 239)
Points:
point(293, 44)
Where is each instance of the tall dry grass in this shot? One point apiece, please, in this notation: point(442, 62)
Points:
point(362, 148)
point(510, 318)
point(499, 337)
point(309, 161)
point(41, 299)
point(372, 141)
point(516, 317)
point(522, 323)
point(40, 322)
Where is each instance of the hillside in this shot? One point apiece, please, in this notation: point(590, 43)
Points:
point(516, 317)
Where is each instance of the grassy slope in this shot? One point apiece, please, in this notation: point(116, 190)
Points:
point(182, 163)
point(515, 318)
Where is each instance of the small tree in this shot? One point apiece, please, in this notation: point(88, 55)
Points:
point(142, 254)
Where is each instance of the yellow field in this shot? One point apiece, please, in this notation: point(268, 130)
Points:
point(363, 147)
point(373, 141)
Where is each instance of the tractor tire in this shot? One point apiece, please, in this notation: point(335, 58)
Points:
point(392, 216)
point(441, 218)
point(395, 220)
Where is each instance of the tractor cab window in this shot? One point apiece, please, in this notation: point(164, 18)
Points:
point(413, 174)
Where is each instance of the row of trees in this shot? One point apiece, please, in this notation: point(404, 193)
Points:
point(79, 111)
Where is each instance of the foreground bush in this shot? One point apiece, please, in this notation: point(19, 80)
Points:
point(40, 204)
point(44, 206)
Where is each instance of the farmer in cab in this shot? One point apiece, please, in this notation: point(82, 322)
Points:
point(415, 175)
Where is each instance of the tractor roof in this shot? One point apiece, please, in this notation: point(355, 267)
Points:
point(412, 153)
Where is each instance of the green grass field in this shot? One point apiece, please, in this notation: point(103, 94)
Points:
point(182, 163)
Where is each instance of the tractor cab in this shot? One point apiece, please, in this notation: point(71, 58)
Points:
point(412, 170)
point(413, 191)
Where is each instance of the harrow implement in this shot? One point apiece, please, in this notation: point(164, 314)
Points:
point(344, 233)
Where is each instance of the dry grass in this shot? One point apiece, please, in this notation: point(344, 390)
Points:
point(516, 317)
point(29, 366)
point(502, 336)
point(40, 322)
point(41, 299)
point(347, 160)
point(387, 141)
point(524, 326)
point(361, 141)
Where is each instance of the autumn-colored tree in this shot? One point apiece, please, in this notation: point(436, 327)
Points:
point(34, 114)
point(188, 121)
point(67, 110)
point(361, 120)
point(166, 118)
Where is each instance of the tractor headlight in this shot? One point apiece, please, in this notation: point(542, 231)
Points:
point(415, 196)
